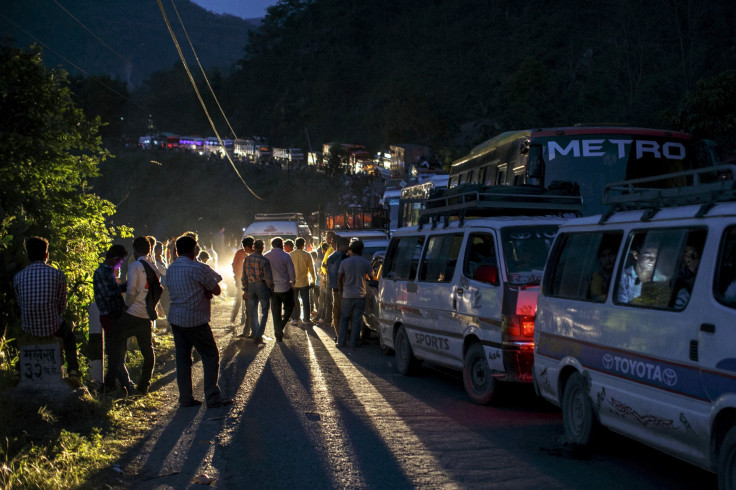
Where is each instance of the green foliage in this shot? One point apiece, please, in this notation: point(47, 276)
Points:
point(48, 151)
point(710, 110)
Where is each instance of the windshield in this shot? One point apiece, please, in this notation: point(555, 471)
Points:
point(594, 160)
point(525, 250)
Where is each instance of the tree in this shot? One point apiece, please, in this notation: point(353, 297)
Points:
point(709, 111)
point(48, 150)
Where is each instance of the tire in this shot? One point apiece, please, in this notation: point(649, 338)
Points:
point(727, 462)
point(384, 348)
point(406, 363)
point(578, 417)
point(365, 333)
point(478, 379)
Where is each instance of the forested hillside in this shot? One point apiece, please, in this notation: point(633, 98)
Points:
point(124, 40)
point(444, 73)
point(450, 74)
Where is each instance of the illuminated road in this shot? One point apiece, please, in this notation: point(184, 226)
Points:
point(310, 415)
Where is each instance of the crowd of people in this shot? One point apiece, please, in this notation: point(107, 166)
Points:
point(297, 287)
point(300, 287)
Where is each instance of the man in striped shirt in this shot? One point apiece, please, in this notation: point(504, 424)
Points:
point(191, 287)
point(41, 294)
point(257, 281)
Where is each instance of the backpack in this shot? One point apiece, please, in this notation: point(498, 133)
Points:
point(154, 290)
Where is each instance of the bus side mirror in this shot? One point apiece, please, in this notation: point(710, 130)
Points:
point(535, 168)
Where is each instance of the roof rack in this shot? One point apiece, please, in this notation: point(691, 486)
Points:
point(279, 217)
point(706, 186)
point(484, 201)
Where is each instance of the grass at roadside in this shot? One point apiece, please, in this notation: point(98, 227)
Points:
point(48, 446)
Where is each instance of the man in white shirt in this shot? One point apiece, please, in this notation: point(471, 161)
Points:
point(283, 291)
point(135, 321)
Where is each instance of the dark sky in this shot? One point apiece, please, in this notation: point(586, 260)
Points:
point(247, 9)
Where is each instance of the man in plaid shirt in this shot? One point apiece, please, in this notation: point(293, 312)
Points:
point(257, 286)
point(191, 287)
point(109, 299)
point(41, 294)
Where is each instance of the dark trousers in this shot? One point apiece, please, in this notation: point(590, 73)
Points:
point(351, 309)
point(200, 338)
point(281, 301)
point(258, 295)
point(132, 326)
point(69, 340)
point(108, 327)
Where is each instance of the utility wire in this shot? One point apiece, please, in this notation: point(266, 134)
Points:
point(199, 96)
point(46, 46)
point(93, 34)
point(202, 70)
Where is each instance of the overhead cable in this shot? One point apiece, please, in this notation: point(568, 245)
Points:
point(202, 70)
point(199, 96)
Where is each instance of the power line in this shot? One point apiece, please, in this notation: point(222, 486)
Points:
point(199, 96)
point(202, 70)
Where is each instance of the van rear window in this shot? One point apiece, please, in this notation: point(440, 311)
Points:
point(525, 250)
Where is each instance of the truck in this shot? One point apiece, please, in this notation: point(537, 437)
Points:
point(254, 149)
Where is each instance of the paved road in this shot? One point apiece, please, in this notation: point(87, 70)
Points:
point(310, 415)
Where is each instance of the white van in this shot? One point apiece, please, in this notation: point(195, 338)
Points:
point(462, 293)
point(636, 322)
point(266, 230)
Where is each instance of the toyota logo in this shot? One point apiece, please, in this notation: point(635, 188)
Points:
point(607, 361)
point(669, 376)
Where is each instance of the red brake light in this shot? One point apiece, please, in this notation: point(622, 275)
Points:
point(520, 327)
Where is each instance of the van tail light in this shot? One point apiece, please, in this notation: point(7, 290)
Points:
point(520, 327)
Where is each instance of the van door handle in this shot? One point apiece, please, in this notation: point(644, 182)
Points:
point(459, 291)
point(708, 328)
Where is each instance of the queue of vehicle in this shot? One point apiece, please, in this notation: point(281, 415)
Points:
point(505, 284)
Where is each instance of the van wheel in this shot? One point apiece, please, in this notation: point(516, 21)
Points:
point(577, 412)
point(365, 333)
point(384, 348)
point(405, 361)
point(727, 462)
point(477, 376)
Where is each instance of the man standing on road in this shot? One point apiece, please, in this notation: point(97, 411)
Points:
point(135, 321)
point(257, 286)
point(303, 270)
point(333, 268)
point(326, 288)
point(240, 255)
point(353, 273)
point(191, 287)
point(294, 319)
point(109, 299)
point(41, 294)
point(282, 301)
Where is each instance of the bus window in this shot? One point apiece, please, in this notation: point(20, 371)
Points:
point(501, 175)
